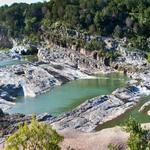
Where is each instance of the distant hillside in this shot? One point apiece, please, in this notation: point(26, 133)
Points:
point(118, 18)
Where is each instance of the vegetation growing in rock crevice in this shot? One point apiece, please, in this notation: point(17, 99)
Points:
point(117, 18)
point(37, 136)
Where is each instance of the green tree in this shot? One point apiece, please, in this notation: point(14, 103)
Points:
point(118, 32)
point(29, 25)
point(95, 45)
point(71, 14)
point(138, 139)
point(98, 21)
point(36, 136)
point(148, 57)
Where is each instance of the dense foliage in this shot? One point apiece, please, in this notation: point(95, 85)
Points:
point(119, 18)
point(37, 136)
point(139, 138)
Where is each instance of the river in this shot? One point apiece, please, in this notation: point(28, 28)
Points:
point(68, 96)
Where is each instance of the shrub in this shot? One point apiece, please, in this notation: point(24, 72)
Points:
point(148, 57)
point(138, 139)
point(36, 136)
point(95, 45)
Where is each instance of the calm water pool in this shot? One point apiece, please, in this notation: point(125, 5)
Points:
point(70, 95)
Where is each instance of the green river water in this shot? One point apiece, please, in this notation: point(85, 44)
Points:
point(66, 97)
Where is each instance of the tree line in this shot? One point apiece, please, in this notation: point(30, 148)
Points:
point(118, 18)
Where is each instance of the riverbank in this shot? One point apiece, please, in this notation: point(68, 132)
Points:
point(56, 68)
point(99, 110)
point(77, 140)
point(32, 79)
point(91, 141)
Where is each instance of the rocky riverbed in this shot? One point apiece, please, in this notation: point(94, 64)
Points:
point(85, 117)
point(57, 66)
point(103, 108)
point(100, 109)
point(32, 79)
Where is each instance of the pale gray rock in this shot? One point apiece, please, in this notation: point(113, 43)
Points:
point(144, 106)
point(4, 56)
point(126, 94)
point(31, 79)
point(70, 57)
point(44, 117)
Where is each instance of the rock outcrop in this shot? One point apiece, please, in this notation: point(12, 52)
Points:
point(4, 56)
point(99, 110)
point(71, 57)
point(32, 79)
point(9, 123)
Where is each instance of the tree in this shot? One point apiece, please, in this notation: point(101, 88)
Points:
point(98, 21)
point(71, 14)
point(95, 45)
point(129, 22)
point(92, 29)
point(118, 31)
point(140, 42)
point(98, 17)
point(136, 28)
point(138, 139)
point(36, 136)
point(29, 25)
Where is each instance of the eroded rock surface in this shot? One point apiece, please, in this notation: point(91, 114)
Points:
point(32, 79)
point(9, 123)
point(71, 57)
point(58, 65)
point(99, 110)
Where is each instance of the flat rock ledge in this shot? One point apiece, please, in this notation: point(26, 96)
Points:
point(98, 110)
